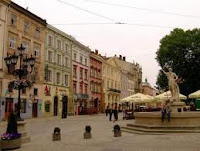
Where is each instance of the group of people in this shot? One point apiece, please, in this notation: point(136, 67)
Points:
point(110, 112)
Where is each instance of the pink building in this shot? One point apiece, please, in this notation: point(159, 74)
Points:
point(96, 103)
point(81, 65)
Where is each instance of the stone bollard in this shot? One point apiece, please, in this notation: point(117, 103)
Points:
point(56, 134)
point(87, 134)
point(117, 131)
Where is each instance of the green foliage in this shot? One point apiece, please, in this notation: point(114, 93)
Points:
point(116, 128)
point(181, 51)
point(88, 129)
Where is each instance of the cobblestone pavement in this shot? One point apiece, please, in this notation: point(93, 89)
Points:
point(72, 130)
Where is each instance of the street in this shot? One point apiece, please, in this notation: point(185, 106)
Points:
point(73, 127)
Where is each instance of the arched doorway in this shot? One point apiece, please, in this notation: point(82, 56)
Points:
point(64, 106)
point(55, 107)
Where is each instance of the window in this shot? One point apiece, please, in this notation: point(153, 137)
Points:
point(81, 73)
point(26, 26)
point(37, 32)
point(85, 74)
point(23, 105)
point(12, 42)
point(66, 61)
point(58, 78)
point(14, 20)
point(37, 52)
point(58, 59)
point(74, 56)
point(86, 61)
point(75, 72)
point(50, 40)
point(49, 75)
point(47, 106)
point(81, 59)
point(66, 47)
point(81, 88)
point(66, 80)
point(74, 87)
point(50, 56)
point(86, 89)
point(26, 46)
point(108, 84)
point(35, 91)
point(58, 44)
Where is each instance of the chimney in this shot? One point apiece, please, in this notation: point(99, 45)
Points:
point(120, 57)
point(124, 58)
point(96, 52)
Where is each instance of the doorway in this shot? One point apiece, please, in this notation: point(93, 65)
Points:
point(35, 108)
point(64, 106)
point(8, 107)
point(55, 109)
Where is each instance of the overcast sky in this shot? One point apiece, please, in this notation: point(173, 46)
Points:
point(147, 22)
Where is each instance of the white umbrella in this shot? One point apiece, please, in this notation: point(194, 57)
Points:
point(167, 95)
point(195, 95)
point(138, 97)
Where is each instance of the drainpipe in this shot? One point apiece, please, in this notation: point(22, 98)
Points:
point(4, 35)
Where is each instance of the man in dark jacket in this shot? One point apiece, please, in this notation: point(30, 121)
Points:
point(115, 114)
point(110, 111)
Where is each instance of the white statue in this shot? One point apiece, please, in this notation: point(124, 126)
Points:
point(173, 86)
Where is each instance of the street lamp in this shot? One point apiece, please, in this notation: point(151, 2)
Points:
point(11, 61)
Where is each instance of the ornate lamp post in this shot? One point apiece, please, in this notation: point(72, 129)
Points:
point(21, 73)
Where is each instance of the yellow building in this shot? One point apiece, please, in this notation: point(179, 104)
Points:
point(111, 83)
point(58, 79)
point(23, 27)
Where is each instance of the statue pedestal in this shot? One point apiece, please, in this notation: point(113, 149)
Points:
point(177, 106)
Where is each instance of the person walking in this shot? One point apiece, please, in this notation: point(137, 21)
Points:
point(115, 114)
point(110, 114)
point(107, 110)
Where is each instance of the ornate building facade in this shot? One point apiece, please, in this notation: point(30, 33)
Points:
point(23, 27)
point(81, 78)
point(96, 81)
point(57, 84)
point(111, 84)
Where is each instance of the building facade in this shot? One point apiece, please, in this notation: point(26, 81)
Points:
point(131, 76)
point(111, 84)
point(23, 27)
point(148, 89)
point(57, 67)
point(4, 6)
point(96, 82)
point(81, 78)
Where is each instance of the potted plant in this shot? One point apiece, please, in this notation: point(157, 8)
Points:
point(11, 139)
point(117, 131)
point(56, 134)
point(87, 133)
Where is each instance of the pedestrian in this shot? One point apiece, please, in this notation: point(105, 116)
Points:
point(107, 110)
point(110, 114)
point(168, 110)
point(115, 114)
point(163, 112)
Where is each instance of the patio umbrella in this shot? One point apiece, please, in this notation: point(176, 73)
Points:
point(167, 95)
point(195, 95)
point(138, 98)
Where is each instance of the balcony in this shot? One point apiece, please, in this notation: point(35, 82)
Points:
point(114, 90)
point(80, 96)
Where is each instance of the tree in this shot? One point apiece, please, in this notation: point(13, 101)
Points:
point(181, 51)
